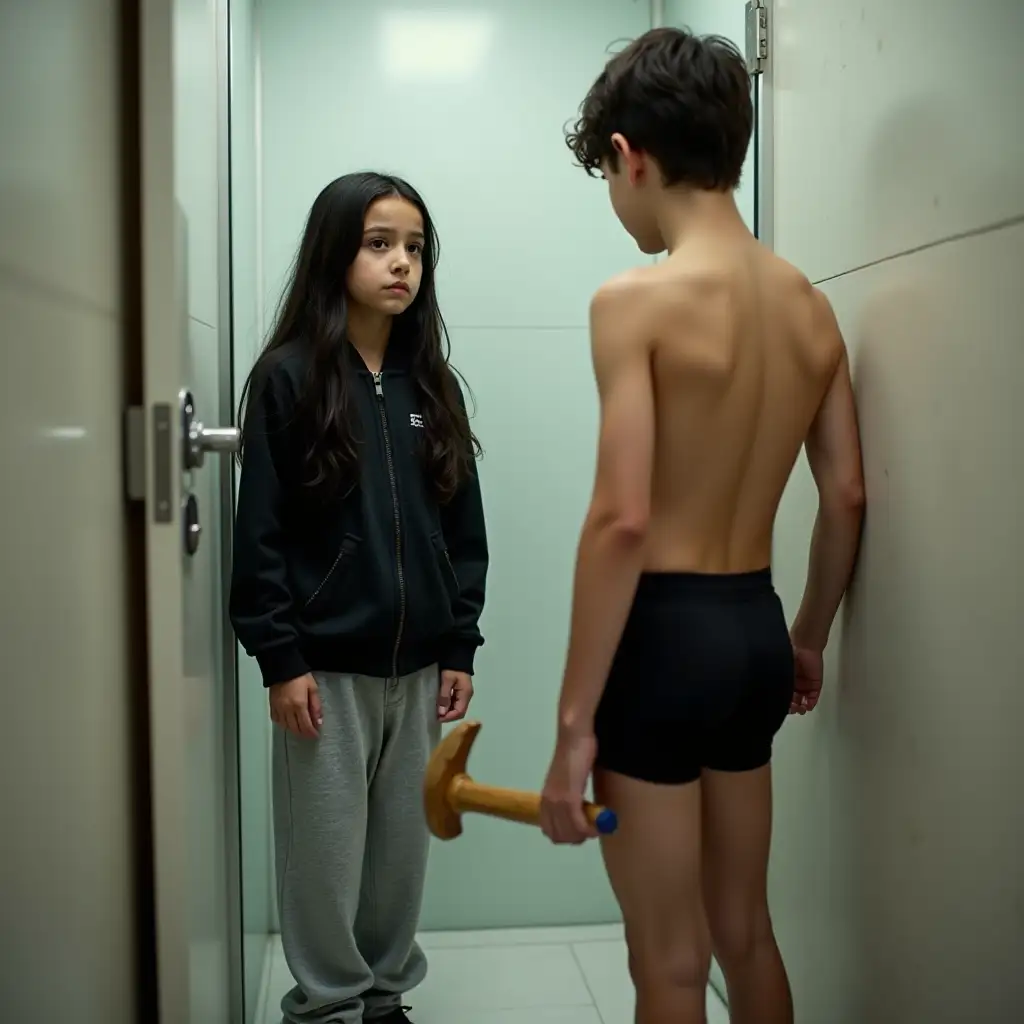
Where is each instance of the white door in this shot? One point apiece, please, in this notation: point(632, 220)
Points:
point(69, 941)
point(186, 332)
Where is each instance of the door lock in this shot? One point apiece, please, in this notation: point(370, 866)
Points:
point(191, 525)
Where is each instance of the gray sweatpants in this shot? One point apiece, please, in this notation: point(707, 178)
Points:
point(351, 843)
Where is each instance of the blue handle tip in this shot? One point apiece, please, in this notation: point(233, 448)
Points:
point(607, 822)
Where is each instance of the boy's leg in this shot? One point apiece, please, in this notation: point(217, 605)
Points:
point(395, 864)
point(654, 865)
point(737, 839)
point(320, 809)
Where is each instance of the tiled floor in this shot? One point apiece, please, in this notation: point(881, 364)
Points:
point(522, 976)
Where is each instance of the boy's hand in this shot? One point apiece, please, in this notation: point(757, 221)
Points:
point(561, 808)
point(454, 696)
point(809, 674)
point(295, 706)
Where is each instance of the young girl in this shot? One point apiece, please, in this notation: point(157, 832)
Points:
point(360, 559)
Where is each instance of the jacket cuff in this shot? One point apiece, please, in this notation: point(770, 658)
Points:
point(281, 665)
point(458, 656)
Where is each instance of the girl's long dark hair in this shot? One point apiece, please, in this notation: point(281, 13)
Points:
point(313, 313)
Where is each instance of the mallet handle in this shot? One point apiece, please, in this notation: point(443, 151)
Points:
point(516, 804)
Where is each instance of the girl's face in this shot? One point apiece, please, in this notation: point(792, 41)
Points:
point(385, 275)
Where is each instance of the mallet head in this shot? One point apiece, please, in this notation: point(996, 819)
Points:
point(447, 763)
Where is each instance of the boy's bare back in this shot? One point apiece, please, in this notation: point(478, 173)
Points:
point(743, 351)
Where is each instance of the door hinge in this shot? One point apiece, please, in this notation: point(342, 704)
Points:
point(135, 453)
point(757, 36)
point(136, 458)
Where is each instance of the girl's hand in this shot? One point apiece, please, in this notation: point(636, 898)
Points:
point(454, 696)
point(295, 706)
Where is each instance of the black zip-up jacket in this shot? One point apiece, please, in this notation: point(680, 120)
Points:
point(382, 581)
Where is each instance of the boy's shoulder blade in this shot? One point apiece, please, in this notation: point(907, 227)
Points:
point(620, 311)
point(624, 284)
point(634, 293)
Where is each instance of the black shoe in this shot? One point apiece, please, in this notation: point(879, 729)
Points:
point(399, 1015)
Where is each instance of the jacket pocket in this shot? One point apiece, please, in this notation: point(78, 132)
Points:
point(341, 562)
point(444, 564)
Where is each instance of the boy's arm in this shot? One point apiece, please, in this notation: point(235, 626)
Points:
point(611, 548)
point(260, 604)
point(465, 536)
point(834, 455)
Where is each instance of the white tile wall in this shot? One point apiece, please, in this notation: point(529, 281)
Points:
point(895, 811)
point(902, 116)
point(896, 885)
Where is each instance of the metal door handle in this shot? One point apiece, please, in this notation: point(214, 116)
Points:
point(199, 440)
point(210, 439)
point(218, 439)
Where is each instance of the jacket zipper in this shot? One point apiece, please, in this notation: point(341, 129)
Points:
point(323, 582)
point(379, 388)
point(451, 568)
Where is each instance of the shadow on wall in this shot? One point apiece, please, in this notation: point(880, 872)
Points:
point(930, 689)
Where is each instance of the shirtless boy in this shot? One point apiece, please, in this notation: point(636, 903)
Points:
point(714, 367)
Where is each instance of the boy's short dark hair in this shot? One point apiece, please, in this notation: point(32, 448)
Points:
point(682, 99)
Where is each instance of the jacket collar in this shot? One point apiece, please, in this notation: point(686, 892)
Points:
point(397, 357)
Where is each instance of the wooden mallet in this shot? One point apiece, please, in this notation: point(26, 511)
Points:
point(449, 792)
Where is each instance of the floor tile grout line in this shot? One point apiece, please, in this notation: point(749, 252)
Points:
point(270, 1016)
point(555, 930)
point(586, 983)
point(552, 941)
point(267, 968)
point(718, 998)
point(960, 236)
